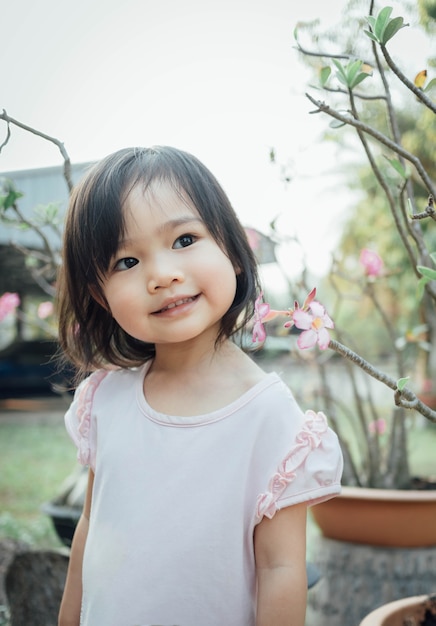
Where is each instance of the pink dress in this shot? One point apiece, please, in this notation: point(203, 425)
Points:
point(176, 499)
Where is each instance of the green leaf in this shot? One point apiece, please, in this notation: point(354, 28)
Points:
point(391, 29)
point(433, 256)
point(371, 21)
point(383, 27)
point(341, 73)
point(371, 36)
point(350, 75)
point(402, 382)
point(324, 75)
point(420, 288)
point(359, 78)
point(431, 85)
point(427, 272)
point(381, 22)
point(9, 199)
point(31, 261)
point(398, 167)
point(352, 69)
point(336, 124)
point(47, 214)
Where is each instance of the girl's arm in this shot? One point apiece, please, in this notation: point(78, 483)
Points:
point(280, 551)
point(69, 614)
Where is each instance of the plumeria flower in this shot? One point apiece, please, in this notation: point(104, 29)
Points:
point(377, 427)
point(314, 323)
point(311, 317)
point(45, 309)
point(8, 304)
point(372, 262)
point(306, 304)
point(263, 313)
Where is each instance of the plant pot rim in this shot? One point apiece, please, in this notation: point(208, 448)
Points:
point(380, 517)
point(370, 493)
point(377, 617)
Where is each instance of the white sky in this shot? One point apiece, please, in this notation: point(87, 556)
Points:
point(218, 78)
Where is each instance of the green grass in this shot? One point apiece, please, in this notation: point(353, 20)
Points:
point(422, 446)
point(34, 461)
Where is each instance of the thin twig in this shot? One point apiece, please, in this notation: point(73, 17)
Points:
point(380, 137)
point(419, 93)
point(67, 163)
point(405, 398)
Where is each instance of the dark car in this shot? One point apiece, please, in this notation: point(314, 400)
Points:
point(32, 368)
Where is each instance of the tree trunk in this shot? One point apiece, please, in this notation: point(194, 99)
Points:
point(34, 585)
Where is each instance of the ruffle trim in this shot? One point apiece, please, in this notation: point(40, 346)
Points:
point(308, 439)
point(84, 411)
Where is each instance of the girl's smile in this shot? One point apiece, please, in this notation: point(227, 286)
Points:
point(176, 304)
point(169, 281)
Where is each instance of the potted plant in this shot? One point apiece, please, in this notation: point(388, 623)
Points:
point(414, 611)
point(397, 293)
point(390, 277)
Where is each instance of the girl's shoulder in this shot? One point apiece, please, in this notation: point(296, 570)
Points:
point(103, 384)
point(114, 377)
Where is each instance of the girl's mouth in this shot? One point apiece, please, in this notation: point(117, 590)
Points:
point(175, 304)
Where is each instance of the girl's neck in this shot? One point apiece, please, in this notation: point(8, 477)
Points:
point(177, 358)
point(186, 382)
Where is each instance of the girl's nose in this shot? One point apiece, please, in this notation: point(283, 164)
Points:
point(163, 275)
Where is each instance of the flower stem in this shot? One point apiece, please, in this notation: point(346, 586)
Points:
point(404, 397)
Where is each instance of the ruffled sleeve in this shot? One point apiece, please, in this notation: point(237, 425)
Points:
point(310, 472)
point(78, 419)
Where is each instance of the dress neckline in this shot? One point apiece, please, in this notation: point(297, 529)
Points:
point(269, 379)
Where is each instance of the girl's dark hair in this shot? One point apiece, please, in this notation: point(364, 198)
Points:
point(88, 334)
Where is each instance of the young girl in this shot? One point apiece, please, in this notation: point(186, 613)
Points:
point(201, 466)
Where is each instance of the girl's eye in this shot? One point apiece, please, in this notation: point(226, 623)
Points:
point(125, 264)
point(184, 241)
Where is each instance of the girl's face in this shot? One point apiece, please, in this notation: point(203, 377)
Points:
point(169, 281)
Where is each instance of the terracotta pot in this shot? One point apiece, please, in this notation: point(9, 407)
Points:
point(429, 398)
point(380, 517)
point(401, 612)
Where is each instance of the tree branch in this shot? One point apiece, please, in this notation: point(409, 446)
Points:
point(404, 398)
point(380, 137)
point(67, 163)
point(408, 83)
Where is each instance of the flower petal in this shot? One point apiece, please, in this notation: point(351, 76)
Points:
point(262, 309)
point(328, 322)
point(259, 333)
point(323, 338)
point(310, 297)
point(307, 339)
point(372, 262)
point(317, 309)
point(302, 319)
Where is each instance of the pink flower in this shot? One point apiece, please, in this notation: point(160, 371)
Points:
point(253, 238)
point(377, 427)
point(8, 304)
point(372, 262)
point(261, 310)
point(45, 309)
point(263, 313)
point(314, 323)
point(309, 298)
